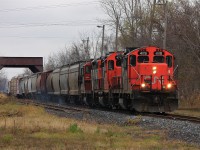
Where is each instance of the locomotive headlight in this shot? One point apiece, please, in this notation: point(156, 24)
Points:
point(143, 85)
point(169, 85)
point(154, 68)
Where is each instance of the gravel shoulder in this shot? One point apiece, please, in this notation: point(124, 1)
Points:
point(174, 129)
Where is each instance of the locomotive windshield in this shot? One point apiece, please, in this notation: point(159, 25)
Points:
point(88, 69)
point(133, 60)
point(158, 59)
point(143, 59)
point(169, 61)
point(118, 63)
point(110, 65)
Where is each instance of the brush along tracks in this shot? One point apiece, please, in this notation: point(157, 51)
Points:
point(175, 117)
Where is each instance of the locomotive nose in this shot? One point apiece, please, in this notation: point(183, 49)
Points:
point(153, 76)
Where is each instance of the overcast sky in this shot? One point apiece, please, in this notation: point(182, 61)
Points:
point(36, 28)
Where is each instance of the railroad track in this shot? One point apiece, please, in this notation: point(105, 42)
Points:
point(55, 107)
point(87, 111)
point(176, 117)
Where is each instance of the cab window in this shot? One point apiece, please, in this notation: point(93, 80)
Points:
point(87, 69)
point(133, 60)
point(158, 59)
point(95, 65)
point(118, 62)
point(110, 65)
point(169, 61)
point(143, 59)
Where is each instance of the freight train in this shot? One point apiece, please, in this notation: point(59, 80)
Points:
point(139, 79)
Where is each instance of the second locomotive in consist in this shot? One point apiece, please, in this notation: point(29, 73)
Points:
point(140, 79)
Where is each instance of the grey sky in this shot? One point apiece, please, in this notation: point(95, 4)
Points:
point(40, 27)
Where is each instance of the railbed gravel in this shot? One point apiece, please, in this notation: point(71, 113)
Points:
point(175, 129)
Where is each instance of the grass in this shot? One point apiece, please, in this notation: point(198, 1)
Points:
point(190, 106)
point(30, 127)
point(192, 102)
point(194, 112)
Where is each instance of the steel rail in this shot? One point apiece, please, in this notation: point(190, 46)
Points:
point(175, 117)
point(54, 107)
point(87, 110)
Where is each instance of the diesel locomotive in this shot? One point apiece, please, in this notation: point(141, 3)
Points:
point(139, 79)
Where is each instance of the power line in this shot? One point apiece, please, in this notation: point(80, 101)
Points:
point(50, 6)
point(40, 37)
point(41, 24)
point(50, 25)
point(71, 21)
point(68, 23)
point(35, 37)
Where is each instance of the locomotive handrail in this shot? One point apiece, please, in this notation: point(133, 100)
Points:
point(175, 69)
point(139, 76)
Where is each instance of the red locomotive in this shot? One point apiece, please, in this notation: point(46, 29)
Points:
point(148, 78)
point(140, 79)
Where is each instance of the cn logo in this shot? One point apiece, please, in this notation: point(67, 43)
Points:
point(155, 79)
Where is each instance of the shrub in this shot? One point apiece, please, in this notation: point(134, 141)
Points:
point(7, 138)
point(73, 128)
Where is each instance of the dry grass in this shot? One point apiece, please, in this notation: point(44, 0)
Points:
point(192, 102)
point(190, 106)
point(30, 127)
point(188, 112)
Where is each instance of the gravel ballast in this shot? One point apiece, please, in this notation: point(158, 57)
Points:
point(181, 130)
point(175, 129)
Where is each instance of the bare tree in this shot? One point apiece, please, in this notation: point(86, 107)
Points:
point(3, 80)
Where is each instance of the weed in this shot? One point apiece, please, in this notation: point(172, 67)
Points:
point(7, 138)
point(155, 137)
point(97, 130)
point(73, 128)
point(134, 121)
point(110, 133)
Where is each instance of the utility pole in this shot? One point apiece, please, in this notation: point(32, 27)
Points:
point(151, 21)
point(87, 47)
point(116, 40)
point(103, 40)
point(165, 28)
point(165, 5)
point(102, 45)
